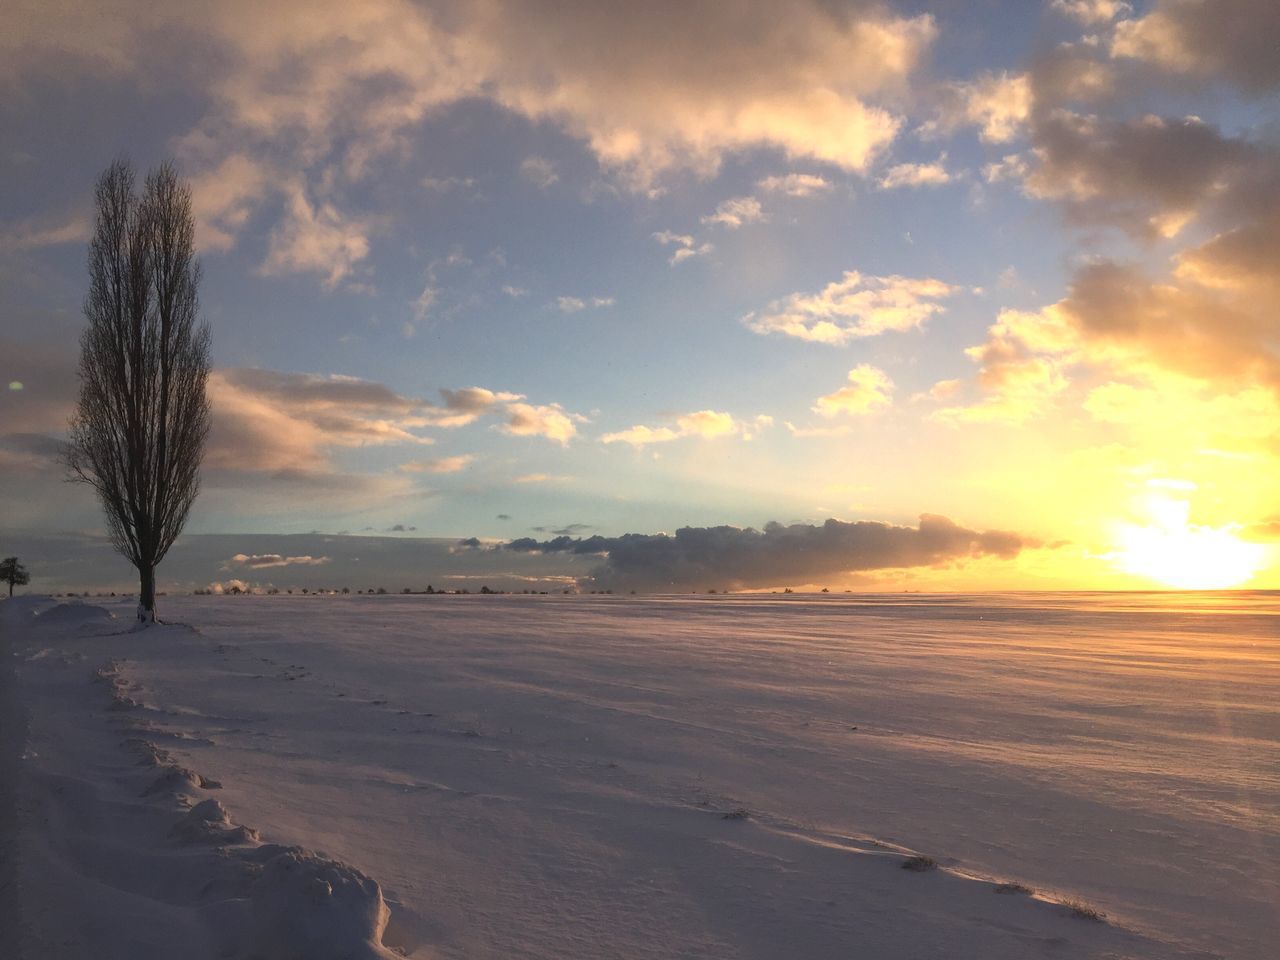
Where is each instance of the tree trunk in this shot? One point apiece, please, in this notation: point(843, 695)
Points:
point(147, 594)
point(10, 589)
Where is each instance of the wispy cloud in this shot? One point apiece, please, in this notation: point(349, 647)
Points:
point(264, 561)
point(707, 424)
point(315, 237)
point(736, 212)
point(577, 304)
point(539, 171)
point(440, 465)
point(853, 307)
point(686, 246)
point(795, 184)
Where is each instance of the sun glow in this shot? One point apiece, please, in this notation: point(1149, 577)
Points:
point(1186, 556)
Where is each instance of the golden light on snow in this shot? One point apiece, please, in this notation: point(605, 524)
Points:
point(1176, 553)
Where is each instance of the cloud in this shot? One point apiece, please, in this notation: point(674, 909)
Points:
point(287, 424)
point(696, 558)
point(34, 233)
point(1217, 333)
point(335, 89)
point(539, 171)
point(33, 453)
point(735, 212)
point(706, 424)
point(653, 87)
point(1210, 320)
point(1232, 40)
point(998, 104)
point(640, 435)
point(853, 307)
point(1011, 166)
point(223, 198)
point(1266, 531)
point(686, 247)
point(316, 238)
point(916, 175)
point(441, 465)
point(468, 404)
point(268, 420)
point(541, 420)
point(839, 430)
point(1092, 11)
point(447, 184)
point(868, 391)
point(1022, 367)
point(578, 304)
point(538, 478)
point(795, 184)
point(1149, 175)
point(267, 560)
point(424, 302)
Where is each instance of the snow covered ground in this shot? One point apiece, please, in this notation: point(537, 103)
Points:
point(718, 777)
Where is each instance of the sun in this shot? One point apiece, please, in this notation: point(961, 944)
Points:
point(1182, 555)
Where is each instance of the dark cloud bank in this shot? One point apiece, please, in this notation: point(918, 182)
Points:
point(697, 558)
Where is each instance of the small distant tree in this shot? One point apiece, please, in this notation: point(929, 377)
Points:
point(13, 573)
point(139, 429)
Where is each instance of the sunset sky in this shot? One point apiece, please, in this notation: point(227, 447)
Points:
point(515, 271)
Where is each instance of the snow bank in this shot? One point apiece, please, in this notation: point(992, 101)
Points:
point(306, 905)
point(123, 853)
point(73, 615)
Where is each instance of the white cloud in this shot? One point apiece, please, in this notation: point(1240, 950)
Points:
point(316, 238)
point(223, 197)
point(1092, 11)
point(735, 212)
point(686, 247)
point(705, 424)
point(542, 420)
point(998, 104)
point(852, 307)
point(1011, 166)
point(576, 304)
point(795, 184)
point(868, 391)
point(263, 561)
point(422, 305)
point(916, 175)
point(640, 435)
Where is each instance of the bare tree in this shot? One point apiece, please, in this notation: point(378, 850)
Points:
point(138, 433)
point(13, 573)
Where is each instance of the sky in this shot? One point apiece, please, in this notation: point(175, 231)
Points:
point(675, 295)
